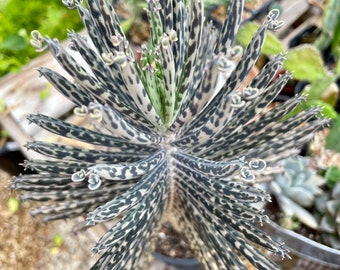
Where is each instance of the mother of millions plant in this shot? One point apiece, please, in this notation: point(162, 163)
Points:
point(175, 136)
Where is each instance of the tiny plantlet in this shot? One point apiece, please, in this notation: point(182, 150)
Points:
point(13, 205)
point(176, 138)
point(44, 94)
point(57, 243)
point(58, 240)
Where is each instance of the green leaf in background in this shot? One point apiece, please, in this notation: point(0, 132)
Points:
point(127, 24)
point(272, 44)
point(208, 3)
point(14, 43)
point(8, 64)
point(16, 21)
point(332, 175)
point(327, 110)
point(337, 67)
point(306, 63)
point(332, 140)
point(330, 30)
point(4, 134)
point(324, 89)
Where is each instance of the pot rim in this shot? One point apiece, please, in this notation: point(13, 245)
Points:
point(178, 262)
point(304, 247)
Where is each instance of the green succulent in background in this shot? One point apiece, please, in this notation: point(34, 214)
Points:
point(296, 188)
point(329, 206)
point(272, 45)
point(332, 175)
point(175, 137)
point(330, 30)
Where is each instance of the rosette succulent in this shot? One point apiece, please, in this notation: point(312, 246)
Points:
point(328, 205)
point(296, 189)
point(175, 135)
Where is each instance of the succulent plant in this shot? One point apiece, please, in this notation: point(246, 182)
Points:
point(174, 137)
point(329, 206)
point(296, 188)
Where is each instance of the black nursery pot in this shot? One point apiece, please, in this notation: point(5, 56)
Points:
point(307, 35)
point(181, 264)
point(10, 157)
point(292, 88)
point(172, 249)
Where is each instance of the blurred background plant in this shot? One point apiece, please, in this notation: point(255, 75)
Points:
point(328, 208)
point(332, 175)
point(318, 64)
point(315, 66)
point(330, 31)
point(17, 21)
point(309, 199)
point(295, 190)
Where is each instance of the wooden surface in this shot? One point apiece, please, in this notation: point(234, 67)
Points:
point(291, 11)
point(21, 92)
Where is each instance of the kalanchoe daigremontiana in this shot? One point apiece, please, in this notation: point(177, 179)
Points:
point(295, 189)
point(175, 138)
point(328, 205)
